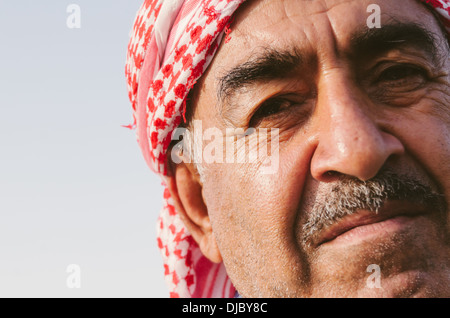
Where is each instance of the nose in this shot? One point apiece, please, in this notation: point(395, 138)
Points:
point(350, 140)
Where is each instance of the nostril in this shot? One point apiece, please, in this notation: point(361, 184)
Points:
point(331, 175)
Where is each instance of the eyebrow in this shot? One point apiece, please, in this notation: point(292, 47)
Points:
point(270, 64)
point(273, 64)
point(391, 36)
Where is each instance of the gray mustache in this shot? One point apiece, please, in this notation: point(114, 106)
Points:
point(350, 195)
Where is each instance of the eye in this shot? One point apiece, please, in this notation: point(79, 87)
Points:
point(398, 84)
point(272, 107)
point(399, 75)
point(271, 110)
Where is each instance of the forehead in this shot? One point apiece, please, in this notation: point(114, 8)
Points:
point(314, 25)
point(262, 19)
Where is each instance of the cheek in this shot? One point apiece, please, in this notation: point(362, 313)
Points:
point(245, 195)
point(253, 217)
point(427, 138)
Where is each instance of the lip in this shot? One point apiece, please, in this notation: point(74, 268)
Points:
point(392, 217)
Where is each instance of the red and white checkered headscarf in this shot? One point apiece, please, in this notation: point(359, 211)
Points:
point(171, 45)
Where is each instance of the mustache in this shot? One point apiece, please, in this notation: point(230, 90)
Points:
point(349, 195)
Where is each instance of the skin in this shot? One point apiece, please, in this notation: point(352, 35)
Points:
point(252, 221)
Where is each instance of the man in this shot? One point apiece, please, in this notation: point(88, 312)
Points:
point(358, 204)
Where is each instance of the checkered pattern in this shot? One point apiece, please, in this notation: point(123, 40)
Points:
point(171, 45)
point(443, 8)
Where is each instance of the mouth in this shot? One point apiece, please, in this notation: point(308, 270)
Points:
point(393, 217)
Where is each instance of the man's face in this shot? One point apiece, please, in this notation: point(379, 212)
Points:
point(363, 117)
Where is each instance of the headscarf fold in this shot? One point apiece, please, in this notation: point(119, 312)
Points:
point(171, 44)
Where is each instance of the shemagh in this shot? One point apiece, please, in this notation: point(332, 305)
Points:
point(172, 43)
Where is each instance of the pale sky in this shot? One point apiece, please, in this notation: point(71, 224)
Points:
point(74, 188)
